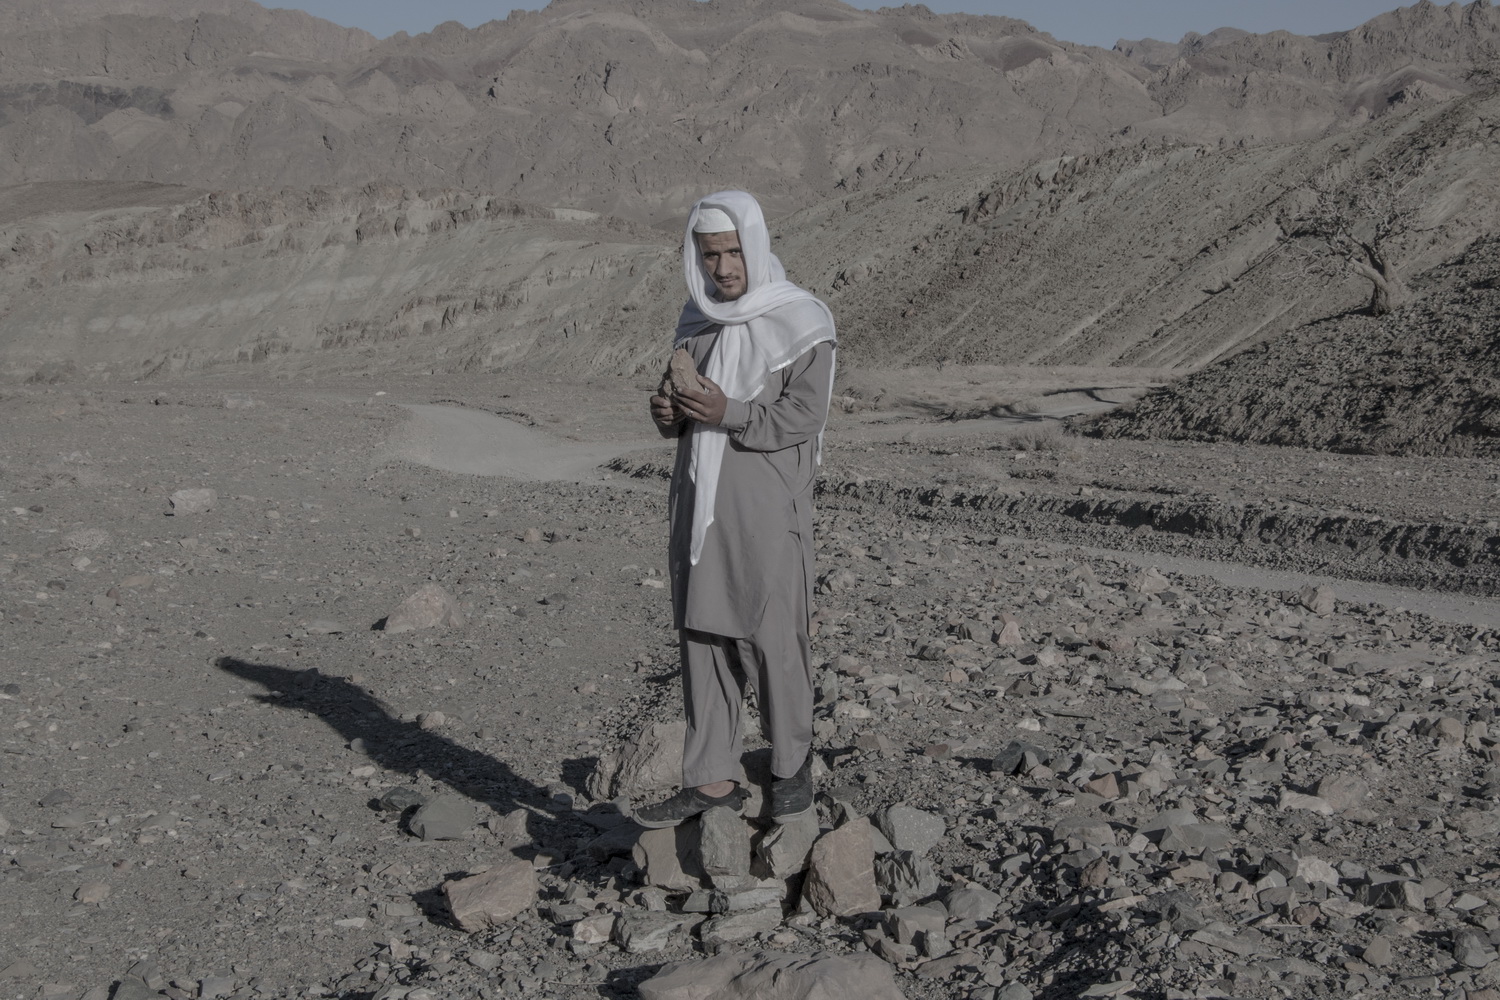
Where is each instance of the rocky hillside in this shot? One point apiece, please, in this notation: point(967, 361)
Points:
point(628, 109)
point(1423, 381)
point(1081, 260)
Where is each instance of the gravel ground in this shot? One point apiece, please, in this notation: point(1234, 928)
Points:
point(199, 716)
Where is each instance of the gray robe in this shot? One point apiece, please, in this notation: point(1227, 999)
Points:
point(762, 533)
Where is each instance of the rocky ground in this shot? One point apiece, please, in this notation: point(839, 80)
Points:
point(1081, 778)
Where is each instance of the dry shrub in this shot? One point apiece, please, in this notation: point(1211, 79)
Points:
point(1037, 435)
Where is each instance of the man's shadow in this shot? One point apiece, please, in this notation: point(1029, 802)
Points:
point(395, 745)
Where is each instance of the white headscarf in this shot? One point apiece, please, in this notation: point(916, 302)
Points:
point(773, 324)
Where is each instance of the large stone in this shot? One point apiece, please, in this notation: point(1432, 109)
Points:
point(193, 501)
point(774, 976)
point(724, 842)
point(784, 849)
point(429, 607)
point(493, 897)
point(841, 872)
point(669, 858)
point(648, 767)
point(447, 817)
point(910, 829)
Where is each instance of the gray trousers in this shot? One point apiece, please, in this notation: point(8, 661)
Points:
point(776, 661)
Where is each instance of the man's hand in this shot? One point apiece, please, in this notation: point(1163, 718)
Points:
point(665, 413)
point(705, 406)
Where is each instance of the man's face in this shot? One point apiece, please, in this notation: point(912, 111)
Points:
point(723, 262)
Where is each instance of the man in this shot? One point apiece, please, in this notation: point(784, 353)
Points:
point(741, 547)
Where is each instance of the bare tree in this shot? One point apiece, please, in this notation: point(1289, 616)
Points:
point(1356, 228)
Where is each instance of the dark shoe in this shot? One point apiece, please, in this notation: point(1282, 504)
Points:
point(792, 797)
point(684, 806)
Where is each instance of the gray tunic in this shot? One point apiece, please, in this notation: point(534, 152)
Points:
point(765, 494)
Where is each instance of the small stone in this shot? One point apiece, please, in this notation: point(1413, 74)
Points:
point(401, 799)
point(213, 987)
point(681, 374)
point(134, 989)
point(1472, 949)
point(1314, 870)
point(1299, 800)
point(91, 892)
point(56, 797)
point(1106, 787)
point(669, 858)
point(429, 607)
point(973, 903)
point(596, 928)
point(447, 817)
point(643, 931)
point(1449, 731)
point(1343, 792)
point(1317, 599)
point(193, 501)
point(1086, 830)
point(486, 960)
point(785, 848)
point(905, 877)
point(1149, 581)
point(1392, 895)
point(724, 842)
point(734, 927)
point(1009, 635)
point(1017, 757)
point(1378, 952)
point(493, 897)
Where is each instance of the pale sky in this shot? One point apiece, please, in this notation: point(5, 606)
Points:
point(1091, 22)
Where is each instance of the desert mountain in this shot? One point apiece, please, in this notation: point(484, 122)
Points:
point(629, 108)
point(1157, 255)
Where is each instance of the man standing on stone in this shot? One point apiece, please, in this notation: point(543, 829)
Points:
point(749, 439)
